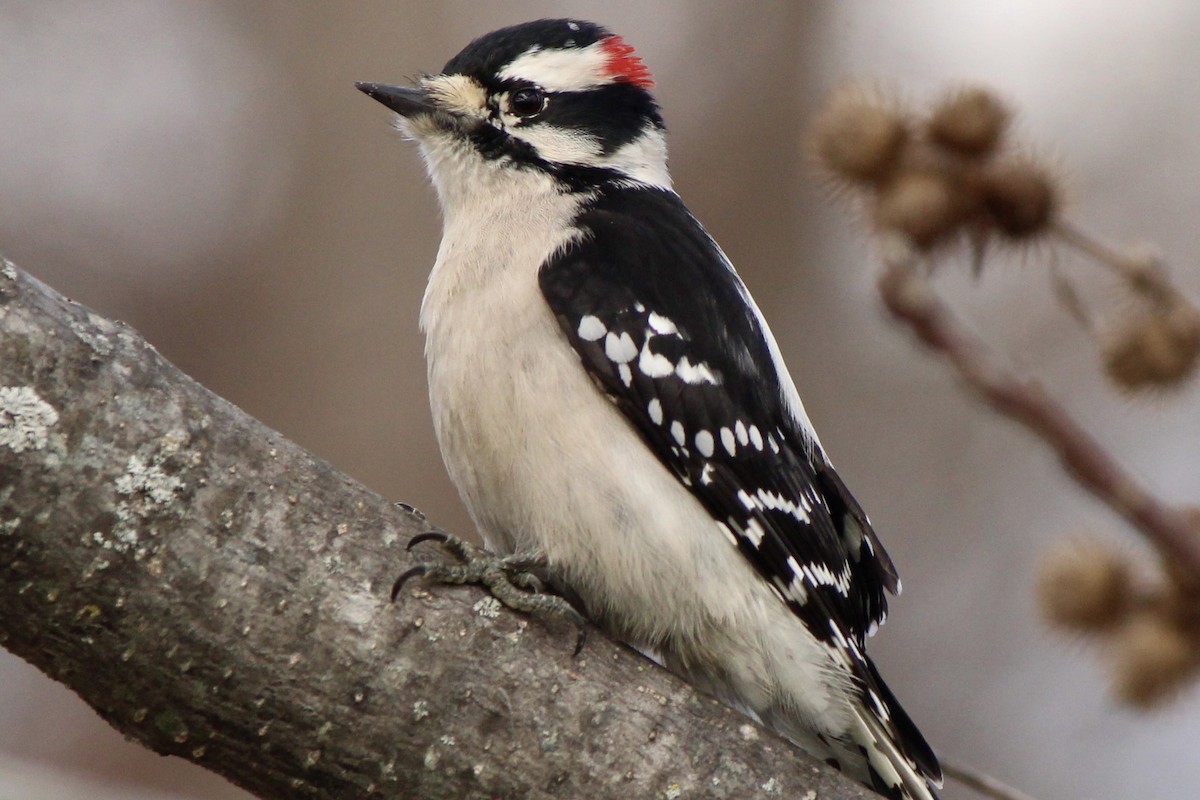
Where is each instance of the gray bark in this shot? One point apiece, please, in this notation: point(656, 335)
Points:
point(217, 593)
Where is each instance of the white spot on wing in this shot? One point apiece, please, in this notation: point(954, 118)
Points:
point(626, 374)
point(697, 373)
point(662, 324)
point(755, 437)
point(794, 566)
point(620, 349)
point(654, 409)
point(740, 430)
point(778, 502)
point(796, 589)
point(591, 328)
point(704, 443)
point(755, 532)
point(728, 441)
point(654, 365)
point(880, 707)
point(678, 432)
point(820, 574)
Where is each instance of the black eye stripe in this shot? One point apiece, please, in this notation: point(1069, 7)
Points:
point(612, 115)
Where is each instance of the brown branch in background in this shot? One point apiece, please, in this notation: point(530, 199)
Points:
point(1086, 587)
point(982, 783)
point(911, 299)
point(216, 593)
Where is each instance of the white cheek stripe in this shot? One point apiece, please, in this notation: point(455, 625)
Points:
point(644, 159)
point(559, 144)
point(561, 70)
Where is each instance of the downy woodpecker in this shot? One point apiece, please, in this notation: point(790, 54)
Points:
point(609, 400)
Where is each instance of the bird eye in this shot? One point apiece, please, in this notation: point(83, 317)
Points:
point(526, 102)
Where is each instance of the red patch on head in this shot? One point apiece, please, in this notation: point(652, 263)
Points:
point(624, 64)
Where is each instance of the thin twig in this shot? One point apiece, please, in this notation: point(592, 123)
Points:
point(982, 783)
point(1142, 271)
point(1098, 251)
point(912, 300)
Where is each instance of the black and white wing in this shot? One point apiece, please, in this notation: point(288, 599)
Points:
point(668, 332)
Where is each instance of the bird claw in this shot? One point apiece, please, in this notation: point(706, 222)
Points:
point(428, 536)
point(420, 569)
point(510, 579)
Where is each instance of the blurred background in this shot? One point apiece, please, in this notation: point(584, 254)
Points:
point(205, 170)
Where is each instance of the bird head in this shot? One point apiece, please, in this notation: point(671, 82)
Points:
point(560, 97)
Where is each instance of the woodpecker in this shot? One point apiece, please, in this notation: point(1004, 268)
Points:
point(611, 404)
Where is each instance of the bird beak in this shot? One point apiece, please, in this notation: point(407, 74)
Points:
point(407, 101)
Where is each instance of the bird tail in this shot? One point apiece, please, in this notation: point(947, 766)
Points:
point(892, 772)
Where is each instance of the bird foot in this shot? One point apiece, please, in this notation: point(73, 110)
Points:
point(511, 579)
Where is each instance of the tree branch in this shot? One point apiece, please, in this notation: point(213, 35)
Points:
point(217, 593)
point(910, 299)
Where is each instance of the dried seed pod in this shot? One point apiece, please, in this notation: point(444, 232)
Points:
point(857, 138)
point(926, 206)
point(1021, 198)
point(970, 122)
point(1158, 349)
point(1084, 586)
point(1153, 658)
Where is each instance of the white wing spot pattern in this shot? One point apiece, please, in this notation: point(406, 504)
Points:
point(620, 349)
point(591, 328)
point(654, 409)
point(678, 432)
